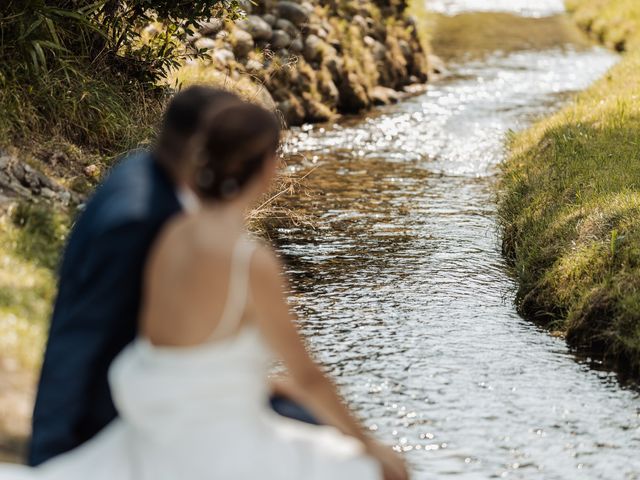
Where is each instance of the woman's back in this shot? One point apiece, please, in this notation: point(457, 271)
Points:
point(189, 279)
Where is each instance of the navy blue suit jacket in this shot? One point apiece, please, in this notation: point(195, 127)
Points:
point(96, 311)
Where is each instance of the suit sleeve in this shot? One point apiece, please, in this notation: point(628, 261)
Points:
point(89, 328)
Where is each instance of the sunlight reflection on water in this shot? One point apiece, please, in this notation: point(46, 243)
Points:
point(405, 298)
point(531, 8)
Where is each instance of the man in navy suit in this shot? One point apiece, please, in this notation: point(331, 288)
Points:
point(101, 276)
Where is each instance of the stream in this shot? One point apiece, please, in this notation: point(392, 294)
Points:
point(405, 298)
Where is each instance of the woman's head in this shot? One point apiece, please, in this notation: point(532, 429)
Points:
point(240, 141)
point(181, 122)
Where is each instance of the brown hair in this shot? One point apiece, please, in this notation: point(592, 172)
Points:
point(183, 119)
point(238, 138)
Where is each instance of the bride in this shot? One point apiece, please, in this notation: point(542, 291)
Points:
point(192, 390)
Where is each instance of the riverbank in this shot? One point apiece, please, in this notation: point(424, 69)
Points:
point(60, 134)
point(570, 203)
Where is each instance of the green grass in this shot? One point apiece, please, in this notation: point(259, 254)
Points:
point(32, 237)
point(570, 204)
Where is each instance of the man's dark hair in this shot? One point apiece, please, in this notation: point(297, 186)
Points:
point(182, 120)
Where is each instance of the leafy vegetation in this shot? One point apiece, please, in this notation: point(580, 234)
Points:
point(570, 203)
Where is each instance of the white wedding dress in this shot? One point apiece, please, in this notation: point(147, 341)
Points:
point(201, 413)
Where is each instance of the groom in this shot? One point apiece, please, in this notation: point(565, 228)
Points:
point(95, 314)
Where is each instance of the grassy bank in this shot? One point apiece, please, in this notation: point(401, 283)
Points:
point(570, 202)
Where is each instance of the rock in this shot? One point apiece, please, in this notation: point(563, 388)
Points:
point(353, 94)
point(257, 27)
point(313, 48)
point(293, 12)
point(405, 48)
point(242, 43)
point(205, 43)
point(292, 110)
point(193, 37)
point(280, 39)
point(246, 5)
point(92, 171)
point(287, 26)
point(360, 22)
point(222, 35)
point(436, 64)
point(254, 66)
point(5, 161)
point(383, 95)
point(223, 56)
point(65, 197)
point(270, 19)
point(211, 28)
point(47, 193)
point(316, 111)
point(296, 46)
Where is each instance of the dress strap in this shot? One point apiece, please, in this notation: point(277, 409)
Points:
point(238, 292)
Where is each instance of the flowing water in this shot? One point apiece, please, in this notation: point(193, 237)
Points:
point(405, 298)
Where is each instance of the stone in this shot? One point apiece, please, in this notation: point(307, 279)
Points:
point(246, 5)
point(292, 111)
point(5, 161)
point(254, 66)
point(296, 14)
point(296, 46)
point(436, 64)
point(378, 49)
point(287, 26)
point(360, 22)
point(222, 35)
point(193, 37)
point(313, 48)
point(205, 43)
point(47, 193)
point(383, 95)
point(211, 28)
point(242, 43)
point(270, 19)
point(405, 48)
point(257, 27)
point(223, 56)
point(92, 171)
point(280, 39)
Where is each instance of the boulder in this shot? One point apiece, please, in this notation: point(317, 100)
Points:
point(353, 94)
point(257, 27)
point(211, 28)
point(242, 43)
point(246, 5)
point(270, 19)
point(292, 110)
point(254, 66)
point(280, 39)
point(378, 50)
point(205, 43)
point(287, 26)
point(313, 48)
point(296, 46)
point(383, 95)
point(405, 48)
point(296, 14)
point(223, 56)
